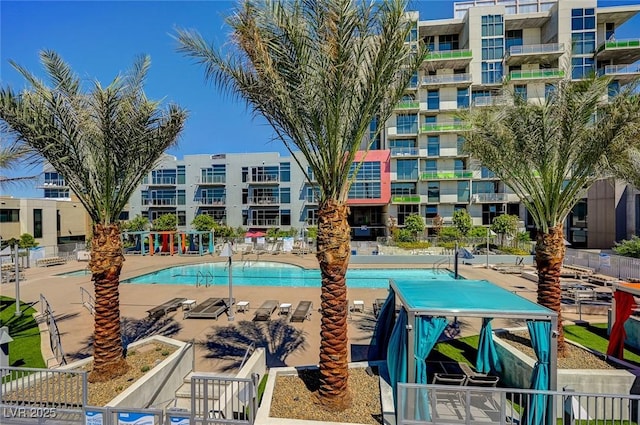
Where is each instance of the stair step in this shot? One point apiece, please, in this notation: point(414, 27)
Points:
point(213, 391)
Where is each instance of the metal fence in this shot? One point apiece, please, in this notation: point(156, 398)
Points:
point(54, 334)
point(223, 400)
point(611, 265)
point(444, 404)
point(30, 395)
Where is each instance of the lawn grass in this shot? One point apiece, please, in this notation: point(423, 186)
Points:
point(457, 350)
point(24, 350)
point(594, 336)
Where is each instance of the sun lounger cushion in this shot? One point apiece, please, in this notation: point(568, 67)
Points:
point(302, 312)
point(165, 307)
point(266, 309)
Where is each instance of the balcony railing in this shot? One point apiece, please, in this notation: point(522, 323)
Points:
point(211, 201)
point(619, 44)
point(405, 151)
point(613, 70)
point(408, 104)
point(535, 74)
point(536, 49)
point(448, 54)
point(446, 79)
point(482, 101)
point(158, 181)
point(490, 197)
point(162, 202)
point(264, 178)
point(266, 222)
point(56, 182)
point(212, 180)
point(405, 199)
point(446, 174)
point(263, 200)
point(444, 126)
point(312, 199)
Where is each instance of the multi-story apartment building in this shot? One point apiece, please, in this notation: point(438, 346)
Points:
point(416, 165)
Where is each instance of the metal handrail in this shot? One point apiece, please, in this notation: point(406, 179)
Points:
point(169, 375)
point(90, 303)
point(251, 348)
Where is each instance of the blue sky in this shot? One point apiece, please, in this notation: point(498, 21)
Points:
point(99, 39)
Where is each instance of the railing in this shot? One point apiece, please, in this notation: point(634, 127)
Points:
point(428, 404)
point(405, 104)
point(250, 349)
point(620, 70)
point(160, 202)
point(489, 101)
point(413, 199)
point(163, 180)
point(536, 49)
point(444, 126)
point(611, 265)
point(264, 178)
point(264, 222)
point(206, 277)
point(535, 74)
point(405, 151)
point(212, 179)
point(490, 197)
point(448, 54)
point(263, 200)
point(88, 301)
point(54, 334)
point(224, 400)
point(46, 394)
point(446, 174)
point(211, 200)
point(619, 44)
point(58, 182)
point(447, 79)
point(312, 199)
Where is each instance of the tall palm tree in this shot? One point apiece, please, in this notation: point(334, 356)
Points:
point(12, 156)
point(319, 72)
point(550, 152)
point(103, 142)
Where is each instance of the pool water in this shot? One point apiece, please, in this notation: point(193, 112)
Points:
point(262, 273)
point(83, 272)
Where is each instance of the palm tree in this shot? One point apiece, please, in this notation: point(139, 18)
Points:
point(103, 142)
point(319, 72)
point(11, 156)
point(549, 153)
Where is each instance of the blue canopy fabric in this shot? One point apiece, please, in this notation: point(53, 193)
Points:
point(384, 326)
point(397, 353)
point(487, 360)
point(427, 332)
point(539, 332)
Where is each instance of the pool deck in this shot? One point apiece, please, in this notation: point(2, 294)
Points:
point(76, 322)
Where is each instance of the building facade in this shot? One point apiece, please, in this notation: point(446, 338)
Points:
point(416, 164)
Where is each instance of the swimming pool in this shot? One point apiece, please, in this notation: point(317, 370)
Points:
point(74, 273)
point(263, 273)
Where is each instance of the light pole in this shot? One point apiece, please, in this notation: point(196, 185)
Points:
point(227, 252)
point(489, 233)
point(17, 278)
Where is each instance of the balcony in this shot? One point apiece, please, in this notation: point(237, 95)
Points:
point(161, 202)
point(535, 75)
point(265, 222)
point(53, 184)
point(211, 201)
point(410, 130)
point(448, 80)
point(163, 181)
point(212, 180)
point(622, 73)
point(408, 105)
point(534, 53)
point(619, 51)
point(263, 200)
point(312, 199)
point(405, 199)
point(482, 198)
point(444, 126)
point(263, 179)
point(446, 175)
point(448, 59)
point(484, 101)
point(395, 152)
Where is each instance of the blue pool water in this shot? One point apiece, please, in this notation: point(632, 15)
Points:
point(264, 273)
point(84, 272)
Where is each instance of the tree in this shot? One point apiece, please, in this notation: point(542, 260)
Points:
point(166, 222)
point(414, 224)
point(12, 154)
point(549, 153)
point(505, 225)
point(462, 221)
point(27, 241)
point(136, 224)
point(103, 142)
point(203, 222)
point(319, 72)
point(628, 248)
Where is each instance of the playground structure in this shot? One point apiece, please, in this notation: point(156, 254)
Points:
point(170, 242)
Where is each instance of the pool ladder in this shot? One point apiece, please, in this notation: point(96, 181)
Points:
point(204, 278)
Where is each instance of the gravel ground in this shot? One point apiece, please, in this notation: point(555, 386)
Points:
point(576, 358)
point(294, 397)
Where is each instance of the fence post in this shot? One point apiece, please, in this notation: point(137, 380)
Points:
point(567, 410)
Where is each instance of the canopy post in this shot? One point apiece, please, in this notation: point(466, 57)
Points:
point(411, 360)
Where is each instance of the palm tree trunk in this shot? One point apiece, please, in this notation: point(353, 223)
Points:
point(333, 255)
point(106, 263)
point(550, 251)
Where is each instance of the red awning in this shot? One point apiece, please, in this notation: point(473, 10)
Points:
point(255, 234)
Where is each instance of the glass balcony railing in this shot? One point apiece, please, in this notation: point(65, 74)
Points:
point(535, 74)
point(444, 126)
point(446, 174)
point(211, 201)
point(405, 151)
point(157, 181)
point(448, 54)
point(613, 70)
point(619, 44)
point(536, 49)
point(162, 202)
point(266, 222)
point(489, 197)
point(213, 179)
point(264, 178)
point(399, 199)
point(263, 200)
point(446, 79)
point(408, 104)
point(482, 101)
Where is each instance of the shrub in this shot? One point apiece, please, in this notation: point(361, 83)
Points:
point(145, 368)
point(413, 245)
point(448, 234)
point(462, 221)
point(628, 248)
point(513, 251)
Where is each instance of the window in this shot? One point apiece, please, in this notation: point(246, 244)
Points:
point(583, 19)
point(458, 165)
point(431, 166)
point(413, 34)
point(365, 190)
point(460, 145)
point(182, 218)
point(285, 171)
point(492, 25)
point(433, 192)
point(124, 216)
point(58, 220)
point(433, 146)
point(583, 43)
point(492, 48)
point(614, 88)
point(448, 42)
point(285, 218)
point(430, 43)
point(405, 210)
point(582, 67)
point(245, 174)
point(492, 72)
point(610, 31)
point(9, 216)
point(56, 193)
point(182, 197)
point(413, 83)
point(407, 123)
point(520, 90)
point(463, 98)
point(181, 174)
point(549, 89)
point(215, 174)
point(513, 38)
point(312, 216)
point(407, 169)
point(433, 99)
point(37, 223)
point(285, 195)
point(431, 211)
point(463, 191)
point(403, 189)
point(485, 173)
point(161, 177)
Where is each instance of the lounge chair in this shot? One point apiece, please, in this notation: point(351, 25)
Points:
point(266, 310)
point(211, 308)
point(166, 307)
point(302, 312)
point(482, 381)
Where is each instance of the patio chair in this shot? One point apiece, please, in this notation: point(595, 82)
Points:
point(453, 397)
point(164, 308)
point(302, 312)
point(264, 312)
point(211, 308)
